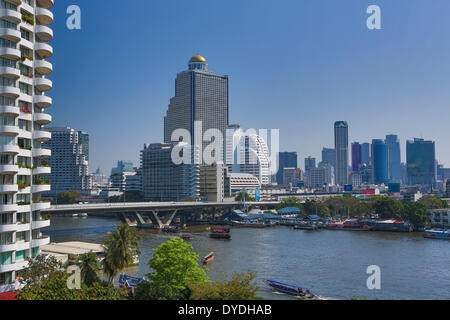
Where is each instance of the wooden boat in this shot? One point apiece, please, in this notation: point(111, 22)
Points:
point(220, 233)
point(437, 234)
point(209, 257)
point(186, 236)
point(290, 289)
point(310, 227)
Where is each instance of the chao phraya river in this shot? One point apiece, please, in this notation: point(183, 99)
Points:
point(332, 263)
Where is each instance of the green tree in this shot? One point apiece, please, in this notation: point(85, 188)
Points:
point(57, 289)
point(240, 197)
point(240, 287)
point(174, 263)
point(415, 212)
point(121, 246)
point(69, 197)
point(432, 202)
point(290, 202)
point(88, 264)
point(388, 208)
point(41, 268)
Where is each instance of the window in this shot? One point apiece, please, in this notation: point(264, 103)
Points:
point(7, 24)
point(6, 140)
point(7, 63)
point(21, 236)
point(6, 218)
point(7, 43)
point(7, 5)
point(5, 278)
point(25, 88)
point(5, 258)
point(21, 255)
point(7, 101)
point(6, 159)
point(6, 238)
point(7, 82)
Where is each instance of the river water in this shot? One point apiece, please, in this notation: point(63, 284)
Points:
point(332, 263)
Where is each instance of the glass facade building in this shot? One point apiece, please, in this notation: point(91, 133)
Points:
point(395, 171)
point(286, 160)
point(421, 162)
point(380, 165)
point(356, 156)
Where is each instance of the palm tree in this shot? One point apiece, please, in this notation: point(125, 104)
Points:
point(88, 264)
point(121, 247)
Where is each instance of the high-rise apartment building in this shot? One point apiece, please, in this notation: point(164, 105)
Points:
point(285, 160)
point(421, 162)
point(24, 33)
point(356, 156)
point(200, 95)
point(70, 167)
point(380, 164)
point(341, 147)
point(395, 170)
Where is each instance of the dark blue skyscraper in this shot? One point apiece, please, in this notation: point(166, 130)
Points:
point(393, 145)
point(356, 156)
point(380, 165)
point(285, 160)
point(421, 162)
point(365, 153)
point(341, 147)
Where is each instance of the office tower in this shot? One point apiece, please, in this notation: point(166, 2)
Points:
point(421, 162)
point(356, 156)
point(70, 167)
point(393, 145)
point(292, 176)
point(310, 163)
point(365, 153)
point(341, 147)
point(285, 160)
point(23, 49)
point(83, 139)
point(380, 165)
point(200, 95)
point(329, 155)
point(162, 180)
point(99, 179)
point(247, 152)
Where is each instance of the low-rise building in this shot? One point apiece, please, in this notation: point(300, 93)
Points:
point(439, 218)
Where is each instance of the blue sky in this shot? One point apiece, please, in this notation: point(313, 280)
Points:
point(296, 65)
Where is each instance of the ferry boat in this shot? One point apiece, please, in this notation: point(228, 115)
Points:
point(209, 257)
point(290, 289)
point(437, 234)
point(186, 236)
point(220, 233)
point(306, 226)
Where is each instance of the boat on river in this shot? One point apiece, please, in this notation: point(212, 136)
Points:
point(306, 226)
point(220, 233)
point(209, 257)
point(290, 289)
point(349, 225)
point(186, 236)
point(437, 234)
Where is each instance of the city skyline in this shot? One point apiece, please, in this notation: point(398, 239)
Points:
point(390, 87)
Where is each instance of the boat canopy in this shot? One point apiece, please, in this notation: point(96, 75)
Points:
point(288, 211)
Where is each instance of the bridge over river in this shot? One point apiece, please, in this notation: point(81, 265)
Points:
point(140, 209)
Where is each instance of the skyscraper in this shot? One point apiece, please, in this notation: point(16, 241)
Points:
point(356, 156)
point(341, 147)
point(393, 145)
point(24, 69)
point(329, 156)
point(286, 160)
point(200, 95)
point(421, 162)
point(380, 165)
point(70, 167)
point(310, 163)
point(365, 153)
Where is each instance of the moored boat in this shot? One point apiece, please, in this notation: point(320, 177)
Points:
point(437, 234)
point(349, 225)
point(220, 233)
point(186, 236)
point(290, 289)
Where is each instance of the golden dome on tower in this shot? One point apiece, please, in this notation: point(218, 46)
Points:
point(197, 58)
